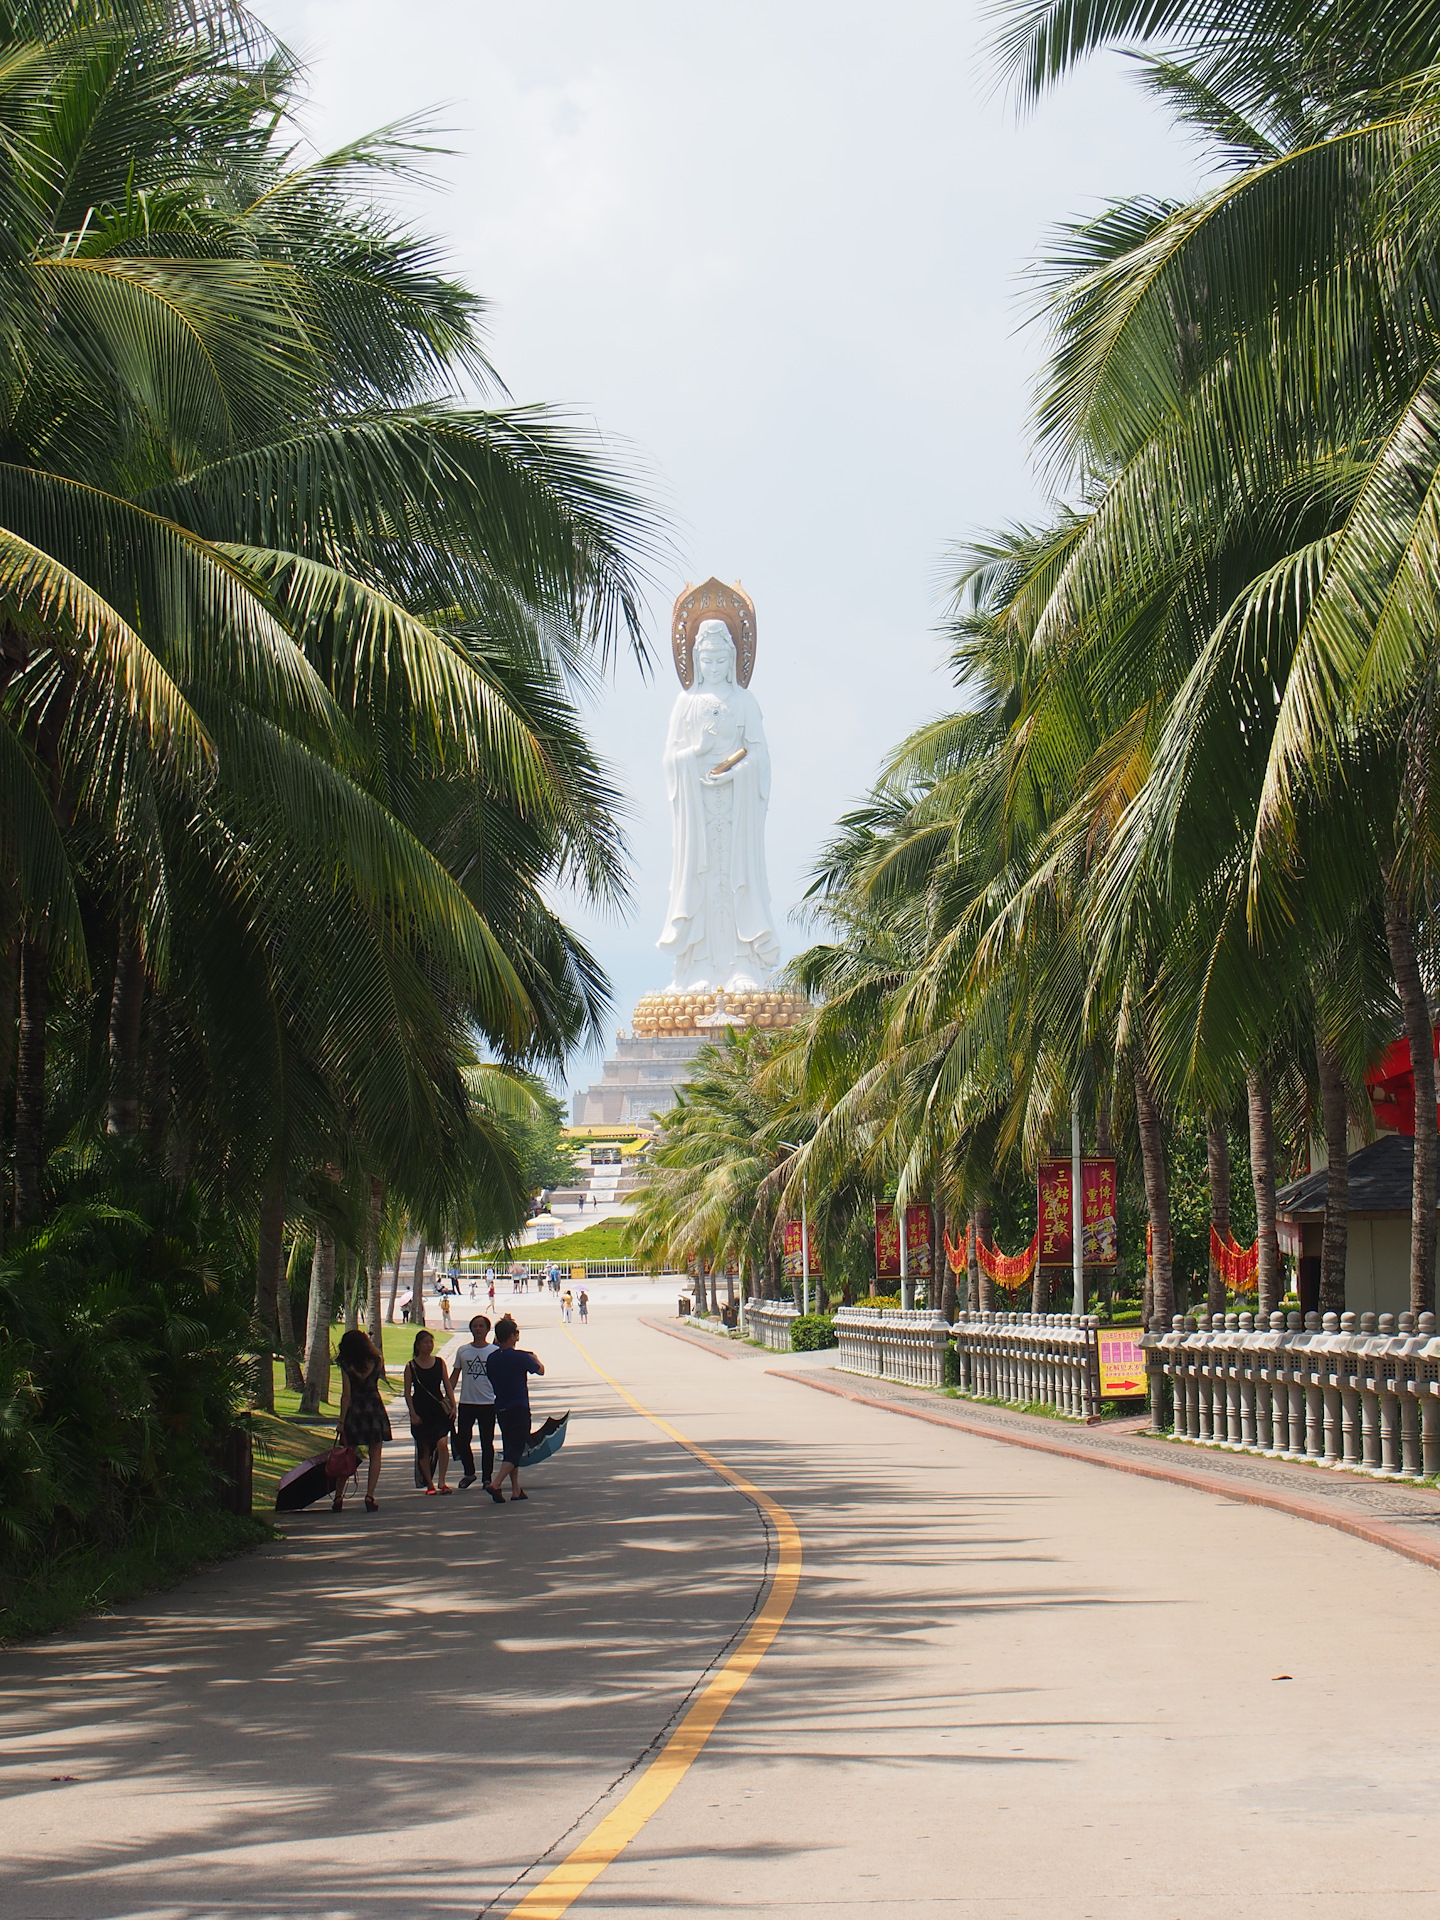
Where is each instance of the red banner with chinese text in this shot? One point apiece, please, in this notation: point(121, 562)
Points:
point(1052, 1201)
point(795, 1252)
point(1099, 1213)
point(919, 1244)
point(887, 1242)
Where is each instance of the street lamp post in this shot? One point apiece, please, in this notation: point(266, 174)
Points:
point(1077, 1216)
point(804, 1228)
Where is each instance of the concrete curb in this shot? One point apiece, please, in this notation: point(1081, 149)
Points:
point(719, 1344)
point(1374, 1532)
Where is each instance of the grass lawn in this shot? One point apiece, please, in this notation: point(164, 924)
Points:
point(282, 1440)
point(398, 1343)
point(606, 1240)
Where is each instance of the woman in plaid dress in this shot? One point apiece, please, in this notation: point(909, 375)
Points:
point(363, 1419)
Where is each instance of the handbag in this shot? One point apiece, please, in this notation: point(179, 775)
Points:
point(342, 1462)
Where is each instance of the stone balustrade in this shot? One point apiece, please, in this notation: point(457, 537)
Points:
point(1025, 1358)
point(1346, 1391)
point(768, 1321)
point(893, 1344)
point(1030, 1359)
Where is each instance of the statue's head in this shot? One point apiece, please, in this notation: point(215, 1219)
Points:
point(714, 654)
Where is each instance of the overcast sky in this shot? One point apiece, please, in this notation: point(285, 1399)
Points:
point(775, 251)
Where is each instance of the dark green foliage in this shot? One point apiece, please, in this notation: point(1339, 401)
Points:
point(547, 1158)
point(121, 1367)
point(1190, 1205)
point(811, 1332)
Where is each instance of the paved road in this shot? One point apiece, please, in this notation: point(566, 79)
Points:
point(1010, 1684)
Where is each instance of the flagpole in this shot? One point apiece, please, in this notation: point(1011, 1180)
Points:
point(1077, 1240)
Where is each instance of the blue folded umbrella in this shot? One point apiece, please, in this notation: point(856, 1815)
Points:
point(544, 1441)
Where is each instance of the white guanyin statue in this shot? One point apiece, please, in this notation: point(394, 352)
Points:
point(719, 927)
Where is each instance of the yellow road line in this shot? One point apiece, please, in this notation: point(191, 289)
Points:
point(564, 1884)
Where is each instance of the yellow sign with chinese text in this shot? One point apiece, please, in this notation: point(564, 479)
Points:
point(1122, 1362)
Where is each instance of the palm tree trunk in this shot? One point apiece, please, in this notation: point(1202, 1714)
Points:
point(394, 1286)
point(373, 1263)
point(985, 1235)
point(417, 1285)
point(1217, 1159)
point(155, 1113)
point(127, 1003)
point(352, 1273)
point(30, 1082)
point(1040, 1290)
point(1335, 1246)
point(9, 998)
point(317, 1325)
point(947, 1287)
point(1262, 1175)
point(269, 1260)
point(285, 1318)
point(972, 1268)
point(1400, 937)
point(1157, 1197)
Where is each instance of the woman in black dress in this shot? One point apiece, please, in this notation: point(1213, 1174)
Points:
point(363, 1419)
point(431, 1401)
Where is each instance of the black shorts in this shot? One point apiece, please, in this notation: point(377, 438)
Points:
point(514, 1425)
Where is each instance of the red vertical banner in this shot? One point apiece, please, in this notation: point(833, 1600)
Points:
point(919, 1242)
point(1099, 1213)
point(795, 1251)
point(887, 1242)
point(1052, 1201)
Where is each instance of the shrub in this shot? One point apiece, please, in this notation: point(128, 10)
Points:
point(122, 1364)
point(811, 1332)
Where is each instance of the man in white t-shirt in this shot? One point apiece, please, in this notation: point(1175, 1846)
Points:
point(474, 1402)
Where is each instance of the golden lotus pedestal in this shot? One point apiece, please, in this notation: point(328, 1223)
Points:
point(639, 1081)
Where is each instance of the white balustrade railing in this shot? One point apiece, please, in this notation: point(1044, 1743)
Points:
point(1026, 1359)
point(768, 1321)
point(1030, 1360)
point(1343, 1391)
point(892, 1344)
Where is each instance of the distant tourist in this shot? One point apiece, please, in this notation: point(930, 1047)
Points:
point(509, 1367)
point(567, 1302)
point(363, 1419)
point(445, 1310)
point(584, 1304)
point(476, 1407)
point(432, 1412)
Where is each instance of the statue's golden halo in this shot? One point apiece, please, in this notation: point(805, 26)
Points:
point(713, 600)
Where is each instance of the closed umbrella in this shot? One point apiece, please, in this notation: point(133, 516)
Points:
point(545, 1440)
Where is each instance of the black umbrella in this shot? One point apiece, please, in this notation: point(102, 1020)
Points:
point(302, 1486)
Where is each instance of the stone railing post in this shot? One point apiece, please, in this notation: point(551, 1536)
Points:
point(1326, 1391)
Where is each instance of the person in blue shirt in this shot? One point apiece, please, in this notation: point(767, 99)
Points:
point(508, 1368)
